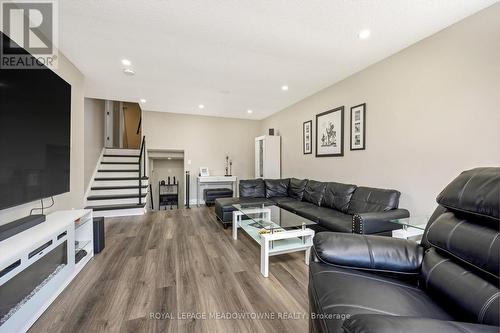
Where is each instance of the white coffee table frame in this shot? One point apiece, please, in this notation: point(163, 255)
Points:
point(267, 240)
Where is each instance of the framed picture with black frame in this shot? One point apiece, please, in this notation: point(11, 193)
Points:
point(358, 127)
point(307, 137)
point(330, 133)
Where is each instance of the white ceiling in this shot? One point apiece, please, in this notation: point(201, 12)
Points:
point(234, 55)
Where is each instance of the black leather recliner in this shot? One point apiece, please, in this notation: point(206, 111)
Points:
point(449, 283)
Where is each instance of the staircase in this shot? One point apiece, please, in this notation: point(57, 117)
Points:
point(115, 189)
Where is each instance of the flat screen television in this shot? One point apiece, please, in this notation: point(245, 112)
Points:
point(35, 127)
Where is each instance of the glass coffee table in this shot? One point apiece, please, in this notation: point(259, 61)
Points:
point(277, 231)
point(412, 227)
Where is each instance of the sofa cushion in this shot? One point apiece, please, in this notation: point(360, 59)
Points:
point(464, 293)
point(308, 210)
point(314, 192)
point(296, 188)
point(380, 323)
point(281, 200)
point(334, 220)
point(468, 242)
point(311, 211)
point(341, 293)
point(277, 187)
point(252, 188)
point(368, 199)
point(338, 196)
point(475, 191)
point(294, 205)
point(369, 253)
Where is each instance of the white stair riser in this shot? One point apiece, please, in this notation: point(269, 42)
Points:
point(114, 201)
point(120, 212)
point(113, 151)
point(119, 167)
point(117, 174)
point(113, 192)
point(120, 159)
point(119, 182)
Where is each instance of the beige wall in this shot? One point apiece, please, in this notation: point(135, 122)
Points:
point(94, 135)
point(74, 198)
point(433, 110)
point(205, 141)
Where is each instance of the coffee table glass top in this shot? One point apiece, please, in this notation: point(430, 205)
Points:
point(417, 222)
point(258, 219)
point(272, 216)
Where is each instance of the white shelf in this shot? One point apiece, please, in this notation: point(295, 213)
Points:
point(82, 245)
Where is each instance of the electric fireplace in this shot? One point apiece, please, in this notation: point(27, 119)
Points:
point(21, 288)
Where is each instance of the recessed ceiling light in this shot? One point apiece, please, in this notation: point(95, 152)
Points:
point(143, 100)
point(364, 34)
point(169, 158)
point(284, 88)
point(126, 62)
point(201, 106)
point(249, 111)
point(129, 71)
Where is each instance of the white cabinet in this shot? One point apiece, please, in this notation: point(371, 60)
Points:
point(37, 264)
point(268, 157)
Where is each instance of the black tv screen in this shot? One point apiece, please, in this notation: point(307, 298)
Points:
point(35, 123)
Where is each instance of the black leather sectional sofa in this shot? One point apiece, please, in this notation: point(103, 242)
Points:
point(334, 206)
point(449, 283)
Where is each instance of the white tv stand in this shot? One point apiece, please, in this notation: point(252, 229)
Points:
point(43, 255)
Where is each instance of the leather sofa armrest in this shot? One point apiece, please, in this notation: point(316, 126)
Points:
point(368, 253)
point(377, 222)
point(372, 323)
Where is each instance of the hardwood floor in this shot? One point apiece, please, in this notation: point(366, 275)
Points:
point(174, 271)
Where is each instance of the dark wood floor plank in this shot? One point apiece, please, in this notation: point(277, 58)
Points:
point(166, 268)
point(165, 302)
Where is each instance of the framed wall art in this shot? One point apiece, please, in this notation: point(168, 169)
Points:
point(307, 137)
point(358, 127)
point(330, 133)
point(204, 172)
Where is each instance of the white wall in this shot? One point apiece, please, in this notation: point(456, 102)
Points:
point(74, 198)
point(433, 110)
point(205, 141)
point(94, 135)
